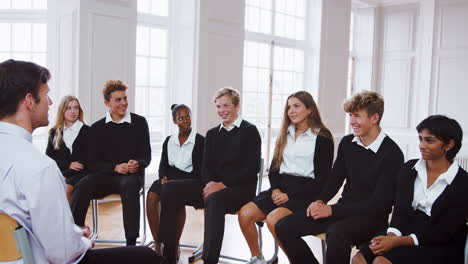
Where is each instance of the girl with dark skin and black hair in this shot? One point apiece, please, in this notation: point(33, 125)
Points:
point(181, 159)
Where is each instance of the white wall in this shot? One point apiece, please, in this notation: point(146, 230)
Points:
point(419, 63)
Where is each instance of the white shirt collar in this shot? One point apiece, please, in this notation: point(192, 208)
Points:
point(236, 123)
point(292, 131)
point(447, 176)
point(375, 145)
point(127, 118)
point(190, 139)
point(75, 127)
point(12, 129)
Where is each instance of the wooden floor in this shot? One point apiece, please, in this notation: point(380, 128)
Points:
point(111, 227)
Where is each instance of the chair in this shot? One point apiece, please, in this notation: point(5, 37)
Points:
point(323, 239)
point(197, 253)
point(116, 197)
point(14, 240)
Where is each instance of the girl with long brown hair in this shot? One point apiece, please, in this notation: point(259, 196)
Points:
point(67, 143)
point(301, 164)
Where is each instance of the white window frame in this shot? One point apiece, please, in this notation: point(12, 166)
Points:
point(273, 41)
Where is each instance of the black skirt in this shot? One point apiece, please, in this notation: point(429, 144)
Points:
point(289, 184)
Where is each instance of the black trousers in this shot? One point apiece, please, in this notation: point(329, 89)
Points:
point(121, 255)
point(176, 194)
point(99, 185)
point(342, 234)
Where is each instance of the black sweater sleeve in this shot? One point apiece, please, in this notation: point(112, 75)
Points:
point(164, 162)
point(383, 196)
point(274, 176)
point(247, 174)
point(323, 160)
point(63, 161)
point(208, 163)
point(197, 156)
point(336, 178)
point(143, 153)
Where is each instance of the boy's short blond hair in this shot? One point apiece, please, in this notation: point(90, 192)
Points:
point(370, 101)
point(229, 91)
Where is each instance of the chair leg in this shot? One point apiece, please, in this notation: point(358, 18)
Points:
point(324, 251)
point(94, 213)
point(142, 240)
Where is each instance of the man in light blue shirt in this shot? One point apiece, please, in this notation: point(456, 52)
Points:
point(32, 189)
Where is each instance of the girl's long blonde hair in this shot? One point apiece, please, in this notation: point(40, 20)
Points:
point(60, 120)
point(314, 121)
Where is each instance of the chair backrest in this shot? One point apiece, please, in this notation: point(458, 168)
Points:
point(260, 176)
point(8, 250)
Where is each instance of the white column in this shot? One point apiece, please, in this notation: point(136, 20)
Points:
point(333, 68)
point(96, 43)
point(219, 58)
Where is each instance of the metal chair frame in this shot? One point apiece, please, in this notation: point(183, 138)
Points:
point(20, 236)
point(95, 213)
point(197, 253)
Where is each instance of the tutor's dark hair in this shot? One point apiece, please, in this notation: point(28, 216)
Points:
point(445, 129)
point(17, 79)
point(176, 107)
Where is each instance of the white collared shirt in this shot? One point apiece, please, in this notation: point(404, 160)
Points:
point(298, 155)
point(236, 123)
point(181, 156)
point(127, 118)
point(70, 134)
point(423, 197)
point(34, 195)
point(375, 145)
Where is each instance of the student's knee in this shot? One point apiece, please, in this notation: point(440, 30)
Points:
point(358, 259)
point(248, 214)
point(381, 260)
point(282, 228)
point(130, 184)
point(152, 198)
point(276, 215)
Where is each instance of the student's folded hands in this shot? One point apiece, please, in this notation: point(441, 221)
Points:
point(318, 210)
point(279, 197)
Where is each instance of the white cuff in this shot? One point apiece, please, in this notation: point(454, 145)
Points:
point(415, 239)
point(394, 231)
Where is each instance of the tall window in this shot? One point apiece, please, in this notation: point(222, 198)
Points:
point(23, 27)
point(152, 58)
point(274, 63)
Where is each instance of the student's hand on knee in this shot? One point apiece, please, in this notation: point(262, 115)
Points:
point(280, 198)
point(121, 168)
point(212, 187)
point(164, 180)
point(311, 205)
point(75, 165)
point(382, 244)
point(133, 166)
point(319, 210)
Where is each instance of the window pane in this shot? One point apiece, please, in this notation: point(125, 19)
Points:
point(141, 67)
point(141, 99)
point(142, 44)
point(5, 33)
point(5, 4)
point(21, 56)
point(158, 42)
point(39, 58)
point(143, 6)
point(40, 4)
point(160, 7)
point(158, 99)
point(39, 37)
point(4, 56)
point(158, 72)
point(21, 37)
point(21, 4)
point(265, 22)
